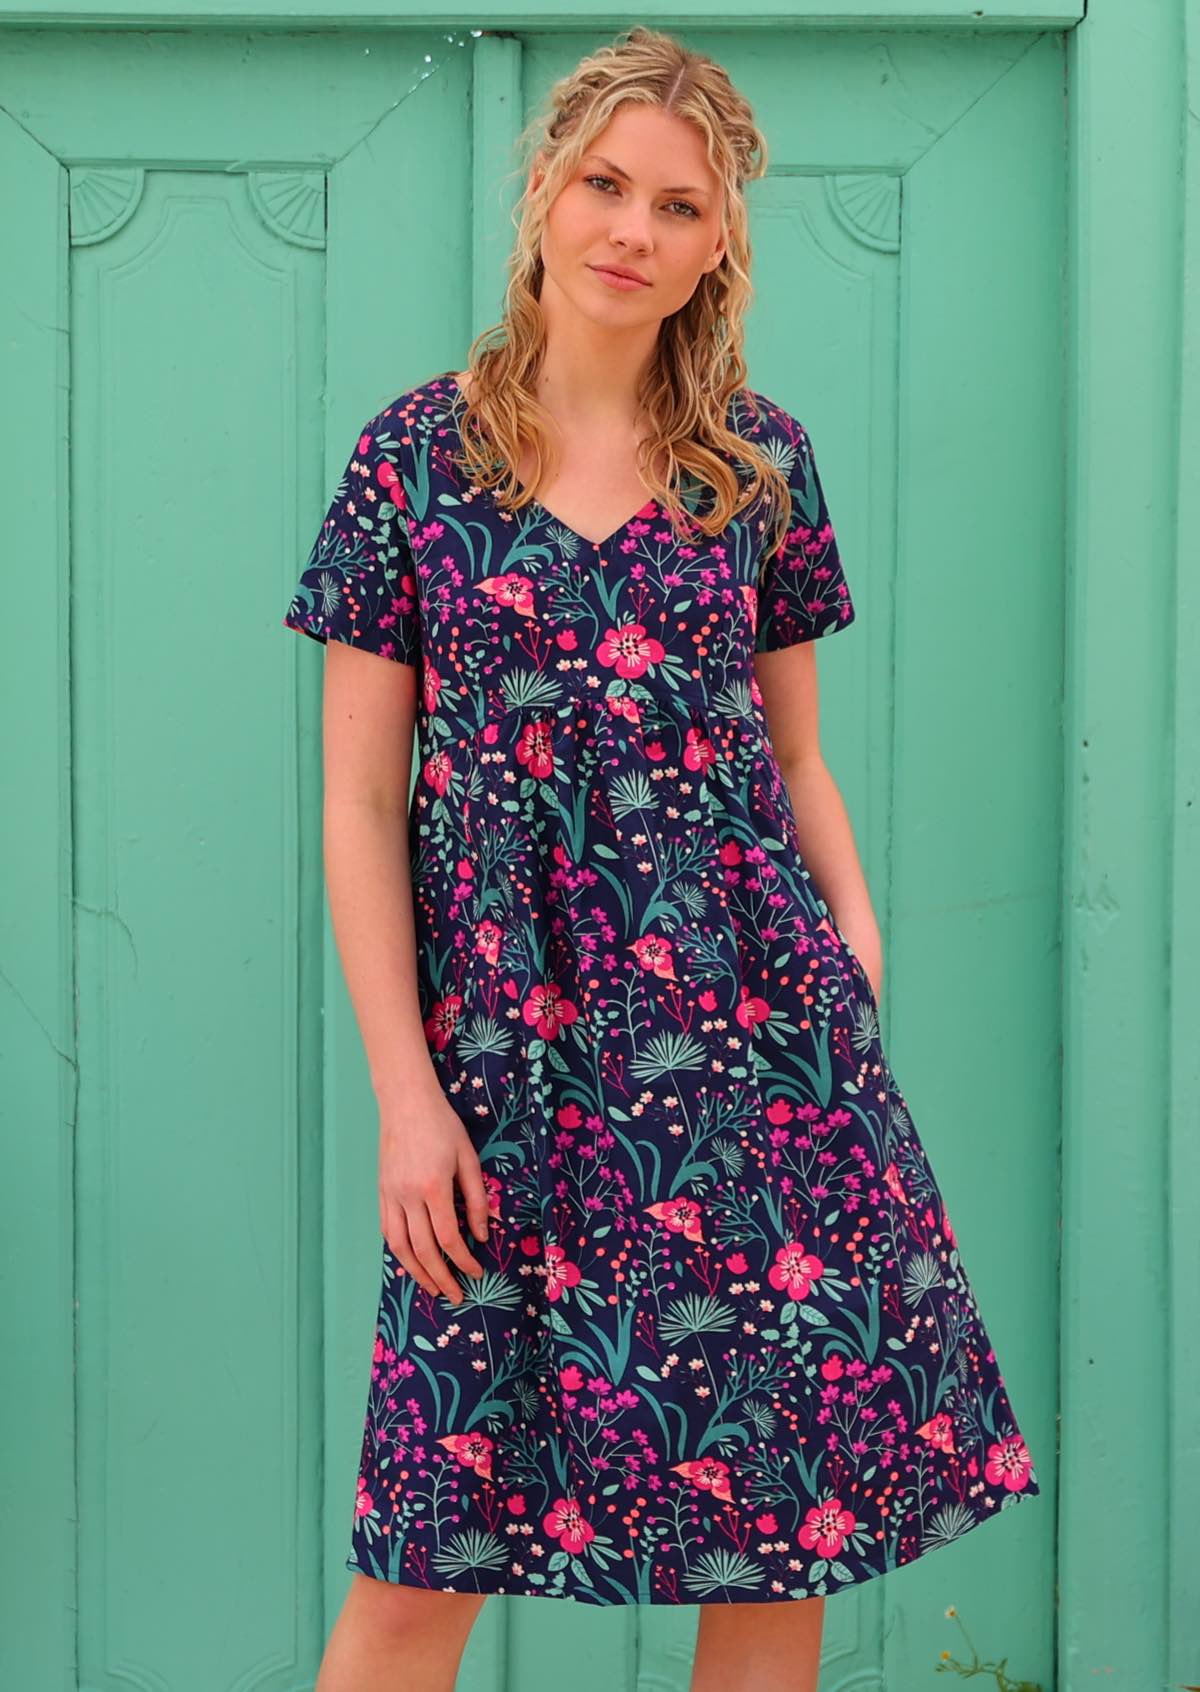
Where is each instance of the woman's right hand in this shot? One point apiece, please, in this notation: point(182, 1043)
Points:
point(423, 1148)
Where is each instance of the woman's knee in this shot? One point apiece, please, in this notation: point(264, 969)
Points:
point(412, 1609)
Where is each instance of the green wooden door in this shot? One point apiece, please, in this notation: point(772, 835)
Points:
point(241, 246)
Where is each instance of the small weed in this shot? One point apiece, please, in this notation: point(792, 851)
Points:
point(950, 1665)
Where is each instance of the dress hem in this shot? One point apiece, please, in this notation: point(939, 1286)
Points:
point(822, 1589)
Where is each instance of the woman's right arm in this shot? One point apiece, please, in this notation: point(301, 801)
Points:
point(368, 713)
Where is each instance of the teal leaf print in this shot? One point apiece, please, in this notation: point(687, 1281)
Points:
point(696, 1314)
point(632, 793)
point(921, 1276)
point(719, 1571)
point(947, 1525)
point(471, 1550)
point(668, 1053)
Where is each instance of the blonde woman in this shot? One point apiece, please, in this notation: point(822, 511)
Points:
point(672, 1311)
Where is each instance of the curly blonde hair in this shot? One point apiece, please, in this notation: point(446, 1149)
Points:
point(698, 363)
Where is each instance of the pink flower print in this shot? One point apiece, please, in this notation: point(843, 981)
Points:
point(516, 1504)
point(751, 1010)
point(891, 1176)
point(779, 1112)
point(630, 650)
point(437, 772)
point(364, 1503)
point(833, 1368)
point(493, 1188)
point(1010, 1462)
point(709, 1474)
point(939, 1431)
point(737, 1263)
point(429, 533)
point(654, 953)
point(559, 1272)
point(639, 523)
point(947, 1230)
point(546, 1010)
point(487, 940)
point(511, 590)
point(795, 539)
point(767, 1523)
point(431, 682)
point(816, 605)
point(570, 1379)
point(388, 478)
point(699, 753)
point(707, 1000)
point(536, 748)
point(441, 1025)
point(730, 853)
point(566, 1524)
point(679, 1216)
point(621, 705)
point(405, 602)
point(473, 1450)
point(749, 603)
point(794, 1270)
point(827, 1527)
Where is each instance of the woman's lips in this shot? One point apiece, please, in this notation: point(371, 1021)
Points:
point(615, 279)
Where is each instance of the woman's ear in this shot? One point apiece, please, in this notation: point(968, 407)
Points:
point(717, 254)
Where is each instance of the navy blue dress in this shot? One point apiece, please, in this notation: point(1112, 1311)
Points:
point(725, 1349)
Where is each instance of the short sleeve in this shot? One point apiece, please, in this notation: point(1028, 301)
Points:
point(802, 590)
point(359, 584)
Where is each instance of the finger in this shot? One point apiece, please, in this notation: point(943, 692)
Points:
point(401, 1247)
point(420, 1231)
point(474, 1192)
point(449, 1237)
point(391, 1220)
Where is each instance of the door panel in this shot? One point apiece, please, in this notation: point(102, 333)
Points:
point(235, 313)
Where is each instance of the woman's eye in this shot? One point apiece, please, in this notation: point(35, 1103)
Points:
point(690, 209)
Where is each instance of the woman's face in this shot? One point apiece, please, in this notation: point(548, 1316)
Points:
point(645, 199)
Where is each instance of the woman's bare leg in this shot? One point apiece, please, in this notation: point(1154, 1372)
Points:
point(771, 1647)
point(390, 1638)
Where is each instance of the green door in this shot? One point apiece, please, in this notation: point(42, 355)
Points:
point(242, 246)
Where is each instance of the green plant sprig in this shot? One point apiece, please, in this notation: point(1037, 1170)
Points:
point(968, 1671)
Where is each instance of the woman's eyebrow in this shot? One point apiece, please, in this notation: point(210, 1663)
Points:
point(625, 177)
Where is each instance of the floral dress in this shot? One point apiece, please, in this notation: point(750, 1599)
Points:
point(725, 1348)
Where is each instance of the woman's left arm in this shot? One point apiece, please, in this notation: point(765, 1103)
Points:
point(787, 678)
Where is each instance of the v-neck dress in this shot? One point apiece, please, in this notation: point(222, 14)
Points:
point(725, 1349)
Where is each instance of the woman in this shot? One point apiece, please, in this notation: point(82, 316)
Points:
point(710, 1341)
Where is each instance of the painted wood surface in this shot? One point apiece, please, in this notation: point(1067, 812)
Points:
point(226, 250)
